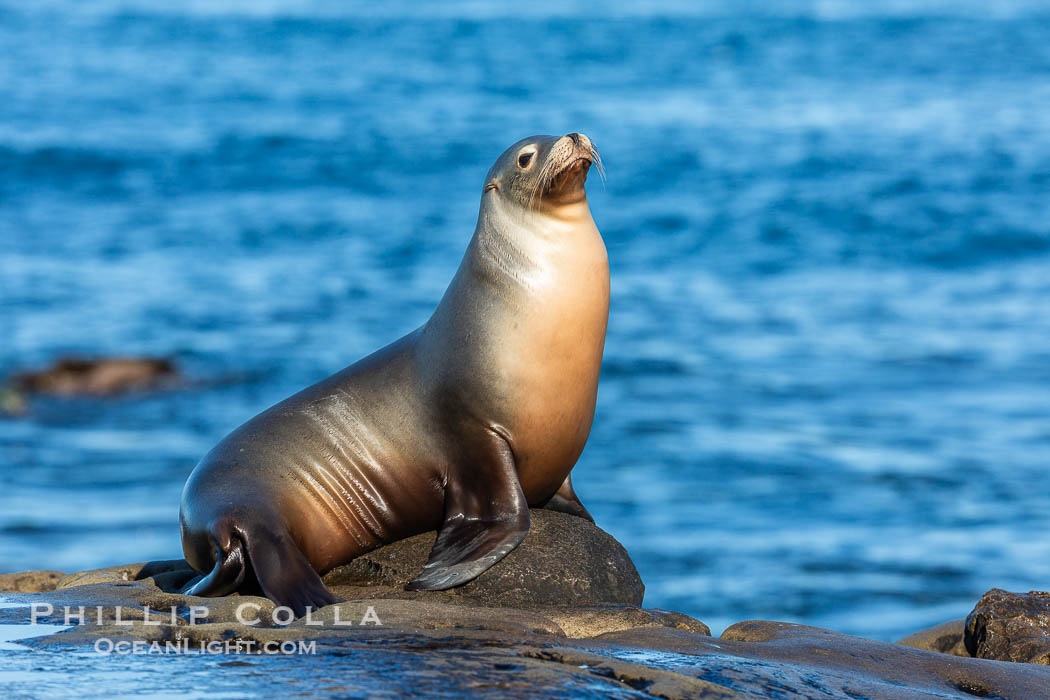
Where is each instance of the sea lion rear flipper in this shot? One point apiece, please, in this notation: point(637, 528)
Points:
point(281, 570)
point(565, 500)
point(485, 519)
point(284, 574)
point(225, 577)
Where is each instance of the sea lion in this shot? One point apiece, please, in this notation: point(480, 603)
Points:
point(459, 426)
point(99, 376)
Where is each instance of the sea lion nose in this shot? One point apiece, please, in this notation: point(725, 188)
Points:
point(580, 142)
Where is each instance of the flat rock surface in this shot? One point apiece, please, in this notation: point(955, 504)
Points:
point(560, 616)
point(1010, 627)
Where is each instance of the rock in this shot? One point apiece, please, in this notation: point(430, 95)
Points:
point(101, 376)
point(559, 616)
point(452, 645)
point(945, 638)
point(584, 622)
point(563, 560)
point(1010, 627)
point(433, 615)
point(854, 667)
point(169, 575)
point(568, 578)
point(101, 593)
point(30, 581)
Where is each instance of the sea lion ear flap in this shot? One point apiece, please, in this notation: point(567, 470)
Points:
point(486, 517)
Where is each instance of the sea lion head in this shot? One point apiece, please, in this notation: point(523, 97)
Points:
point(543, 172)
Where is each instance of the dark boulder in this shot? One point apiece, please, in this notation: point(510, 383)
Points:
point(563, 560)
point(1010, 627)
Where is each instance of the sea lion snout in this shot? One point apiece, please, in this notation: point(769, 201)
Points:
point(570, 148)
point(582, 143)
point(566, 169)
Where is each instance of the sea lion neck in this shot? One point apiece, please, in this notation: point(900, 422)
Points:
point(525, 249)
point(531, 227)
point(575, 214)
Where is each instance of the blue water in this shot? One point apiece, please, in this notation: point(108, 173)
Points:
point(826, 389)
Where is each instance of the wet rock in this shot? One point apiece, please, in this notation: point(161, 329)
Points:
point(633, 673)
point(465, 647)
point(1010, 627)
point(777, 659)
point(563, 560)
point(563, 617)
point(101, 376)
point(945, 638)
point(854, 667)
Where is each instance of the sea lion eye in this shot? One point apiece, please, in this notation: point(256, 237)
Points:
point(524, 159)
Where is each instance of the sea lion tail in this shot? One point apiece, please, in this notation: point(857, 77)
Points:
point(281, 569)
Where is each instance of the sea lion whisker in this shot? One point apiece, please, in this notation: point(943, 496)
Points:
point(544, 180)
point(596, 159)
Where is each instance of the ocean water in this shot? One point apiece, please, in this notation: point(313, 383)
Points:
point(826, 389)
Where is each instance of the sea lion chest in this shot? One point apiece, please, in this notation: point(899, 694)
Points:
point(528, 316)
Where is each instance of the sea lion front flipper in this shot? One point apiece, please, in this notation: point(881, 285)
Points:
point(565, 500)
point(486, 516)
